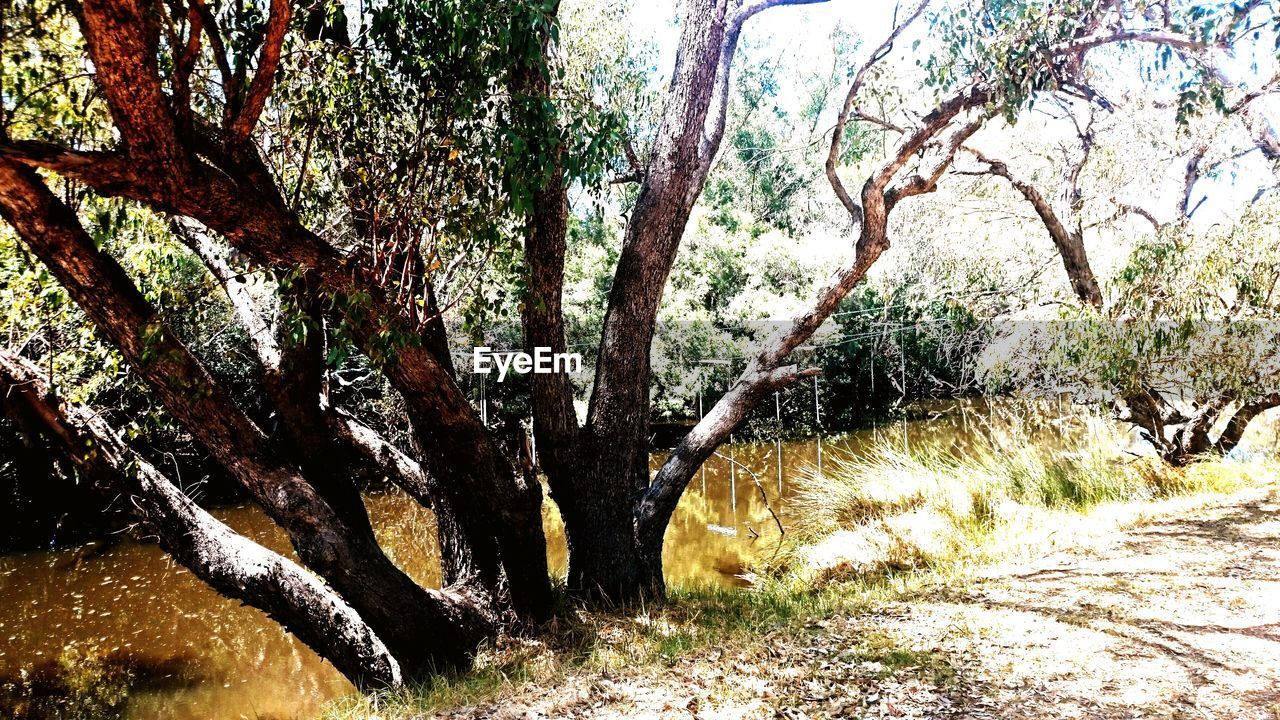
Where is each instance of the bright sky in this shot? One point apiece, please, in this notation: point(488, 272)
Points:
point(803, 34)
point(804, 30)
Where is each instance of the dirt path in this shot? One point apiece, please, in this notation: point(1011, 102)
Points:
point(1179, 618)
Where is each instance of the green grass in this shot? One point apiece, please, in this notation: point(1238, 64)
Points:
point(692, 620)
point(894, 657)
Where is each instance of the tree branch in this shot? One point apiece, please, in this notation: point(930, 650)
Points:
point(1240, 420)
point(184, 63)
point(114, 172)
point(1070, 244)
point(1109, 37)
point(264, 78)
point(123, 42)
point(765, 373)
point(850, 110)
point(236, 291)
point(97, 283)
point(234, 565)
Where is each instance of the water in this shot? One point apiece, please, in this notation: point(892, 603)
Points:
point(196, 655)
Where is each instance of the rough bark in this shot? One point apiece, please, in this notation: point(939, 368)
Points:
point(542, 317)
point(234, 565)
point(229, 190)
point(425, 629)
point(599, 489)
point(597, 494)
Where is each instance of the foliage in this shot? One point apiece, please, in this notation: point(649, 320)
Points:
point(426, 120)
point(1194, 317)
point(894, 348)
point(1001, 45)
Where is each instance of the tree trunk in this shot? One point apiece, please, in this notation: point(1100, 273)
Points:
point(225, 185)
point(234, 565)
point(425, 629)
point(609, 563)
point(1069, 243)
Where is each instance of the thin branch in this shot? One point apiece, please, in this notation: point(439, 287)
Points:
point(756, 480)
point(750, 9)
point(264, 78)
point(1108, 37)
point(184, 64)
point(219, 51)
point(849, 109)
point(1140, 212)
point(237, 293)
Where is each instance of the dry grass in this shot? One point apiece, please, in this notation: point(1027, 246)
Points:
point(867, 535)
point(932, 510)
point(582, 641)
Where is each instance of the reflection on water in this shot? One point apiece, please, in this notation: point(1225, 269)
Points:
point(203, 656)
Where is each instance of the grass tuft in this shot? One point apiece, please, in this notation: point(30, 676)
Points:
point(931, 509)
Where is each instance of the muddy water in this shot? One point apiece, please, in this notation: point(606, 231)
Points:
point(111, 610)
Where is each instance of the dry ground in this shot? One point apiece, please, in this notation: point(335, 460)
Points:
point(1175, 618)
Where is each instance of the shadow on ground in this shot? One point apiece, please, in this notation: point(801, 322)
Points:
point(1174, 619)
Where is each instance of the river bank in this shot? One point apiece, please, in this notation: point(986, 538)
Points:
point(1089, 631)
point(872, 518)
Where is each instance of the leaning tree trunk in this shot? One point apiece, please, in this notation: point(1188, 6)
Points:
point(425, 629)
point(216, 177)
point(234, 565)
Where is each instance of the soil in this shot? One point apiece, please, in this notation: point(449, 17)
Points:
point(1174, 618)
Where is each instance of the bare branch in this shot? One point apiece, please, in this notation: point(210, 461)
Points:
point(1240, 420)
point(230, 88)
point(1189, 177)
point(1140, 212)
point(713, 128)
point(184, 64)
point(750, 9)
point(1109, 37)
point(264, 78)
point(850, 110)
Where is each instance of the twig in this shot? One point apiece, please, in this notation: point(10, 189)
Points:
point(763, 495)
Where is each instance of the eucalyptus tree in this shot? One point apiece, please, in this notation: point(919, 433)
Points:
point(1182, 347)
point(167, 122)
point(443, 133)
point(615, 513)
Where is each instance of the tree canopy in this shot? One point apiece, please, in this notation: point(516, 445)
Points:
point(266, 234)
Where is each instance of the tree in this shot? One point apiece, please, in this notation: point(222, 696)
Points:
point(188, 116)
point(1180, 349)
